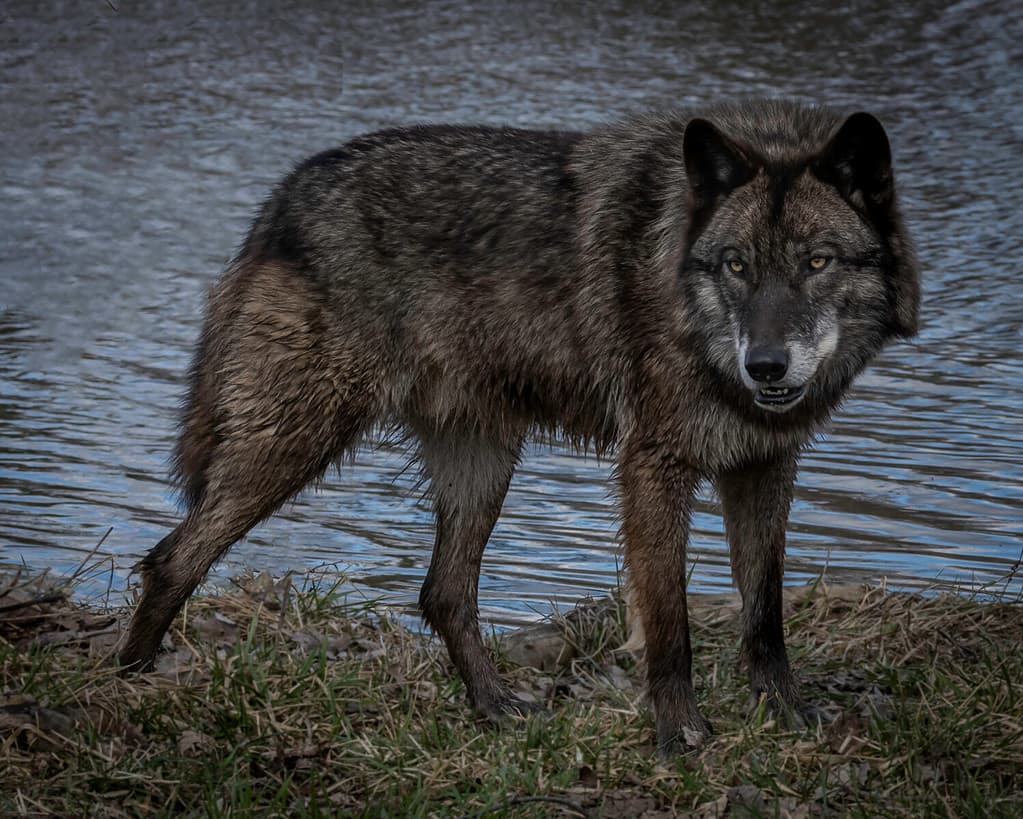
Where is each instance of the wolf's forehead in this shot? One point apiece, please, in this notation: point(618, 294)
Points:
point(791, 203)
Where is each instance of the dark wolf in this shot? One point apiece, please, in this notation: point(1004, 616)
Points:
point(694, 294)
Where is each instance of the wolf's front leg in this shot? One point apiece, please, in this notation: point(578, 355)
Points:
point(755, 502)
point(657, 493)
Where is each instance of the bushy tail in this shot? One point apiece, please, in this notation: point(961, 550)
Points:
point(199, 437)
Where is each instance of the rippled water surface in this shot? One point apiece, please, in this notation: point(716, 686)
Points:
point(137, 141)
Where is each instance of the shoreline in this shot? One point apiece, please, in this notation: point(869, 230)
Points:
point(289, 698)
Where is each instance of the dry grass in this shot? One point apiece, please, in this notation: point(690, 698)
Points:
point(284, 700)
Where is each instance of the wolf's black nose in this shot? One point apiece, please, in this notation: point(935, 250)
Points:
point(767, 364)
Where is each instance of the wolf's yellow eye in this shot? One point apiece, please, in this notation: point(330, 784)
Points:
point(819, 262)
point(735, 266)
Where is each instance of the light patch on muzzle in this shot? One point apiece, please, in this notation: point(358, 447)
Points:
point(713, 313)
point(804, 356)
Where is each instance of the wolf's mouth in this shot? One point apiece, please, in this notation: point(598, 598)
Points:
point(778, 398)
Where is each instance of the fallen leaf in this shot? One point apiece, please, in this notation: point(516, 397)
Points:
point(194, 742)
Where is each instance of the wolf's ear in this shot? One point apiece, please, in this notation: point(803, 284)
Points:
point(858, 161)
point(714, 164)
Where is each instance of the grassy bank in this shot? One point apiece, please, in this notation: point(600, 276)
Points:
point(287, 699)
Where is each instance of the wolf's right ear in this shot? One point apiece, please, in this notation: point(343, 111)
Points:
point(714, 164)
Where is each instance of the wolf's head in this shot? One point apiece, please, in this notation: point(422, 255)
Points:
point(796, 253)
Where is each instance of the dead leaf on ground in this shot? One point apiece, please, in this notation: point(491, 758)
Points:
point(193, 743)
point(619, 804)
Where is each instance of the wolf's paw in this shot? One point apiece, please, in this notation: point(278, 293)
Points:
point(791, 714)
point(499, 708)
point(810, 715)
point(132, 662)
point(673, 741)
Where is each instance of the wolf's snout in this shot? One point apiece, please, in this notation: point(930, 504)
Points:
point(767, 364)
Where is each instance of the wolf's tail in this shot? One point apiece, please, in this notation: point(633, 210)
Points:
point(199, 436)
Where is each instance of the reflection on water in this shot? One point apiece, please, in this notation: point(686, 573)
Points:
point(136, 144)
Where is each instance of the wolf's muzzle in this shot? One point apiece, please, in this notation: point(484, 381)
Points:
point(780, 398)
point(767, 365)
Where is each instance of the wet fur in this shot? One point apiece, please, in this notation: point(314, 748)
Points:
point(475, 286)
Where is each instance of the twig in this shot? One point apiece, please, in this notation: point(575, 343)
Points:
point(73, 637)
point(52, 597)
point(91, 554)
point(502, 807)
point(13, 584)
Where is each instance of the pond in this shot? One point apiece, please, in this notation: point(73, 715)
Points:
point(138, 141)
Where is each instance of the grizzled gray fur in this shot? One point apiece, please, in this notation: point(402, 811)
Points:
point(692, 294)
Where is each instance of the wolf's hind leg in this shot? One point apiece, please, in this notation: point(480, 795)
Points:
point(246, 482)
point(469, 476)
point(288, 401)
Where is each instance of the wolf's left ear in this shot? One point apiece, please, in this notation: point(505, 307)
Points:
point(858, 161)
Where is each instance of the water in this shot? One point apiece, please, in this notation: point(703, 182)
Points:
point(137, 142)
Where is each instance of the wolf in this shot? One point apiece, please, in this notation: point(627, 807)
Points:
point(691, 294)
